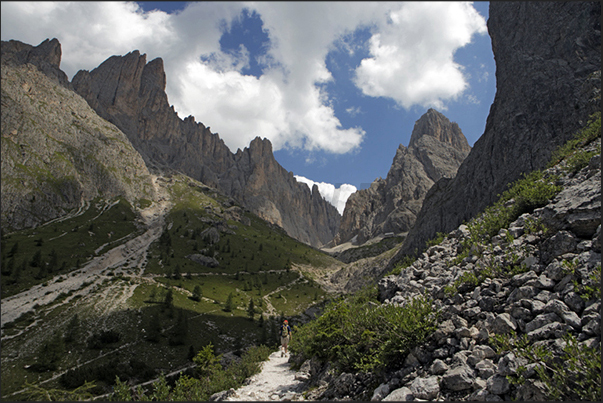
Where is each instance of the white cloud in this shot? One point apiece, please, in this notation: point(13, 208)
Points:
point(353, 111)
point(411, 58)
point(336, 196)
point(412, 53)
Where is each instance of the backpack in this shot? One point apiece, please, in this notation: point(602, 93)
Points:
point(284, 331)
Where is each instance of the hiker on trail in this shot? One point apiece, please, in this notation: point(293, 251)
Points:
point(285, 334)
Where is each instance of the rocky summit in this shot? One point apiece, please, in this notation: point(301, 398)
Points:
point(129, 92)
point(436, 149)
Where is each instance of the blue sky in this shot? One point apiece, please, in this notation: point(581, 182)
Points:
point(335, 86)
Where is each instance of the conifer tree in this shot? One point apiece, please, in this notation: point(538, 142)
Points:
point(229, 303)
point(154, 329)
point(251, 309)
point(169, 298)
point(197, 293)
point(72, 331)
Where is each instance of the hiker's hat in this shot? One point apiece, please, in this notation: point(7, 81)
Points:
point(286, 321)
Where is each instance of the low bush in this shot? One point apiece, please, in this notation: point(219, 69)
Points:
point(357, 334)
point(575, 375)
point(208, 378)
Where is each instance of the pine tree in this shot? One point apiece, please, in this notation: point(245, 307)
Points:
point(36, 260)
point(169, 298)
point(178, 336)
point(14, 250)
point(251, 309)
point(229, 303)
point(154, 328)
point(53, 261)
point(191, 353)
point(7, 269)
point(72, 331)
point(197, 293)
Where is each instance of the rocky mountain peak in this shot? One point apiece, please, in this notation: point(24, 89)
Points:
point(261, 148)
point(436, 149)
point(46, 57)
point(153, 75)
point(436, 125)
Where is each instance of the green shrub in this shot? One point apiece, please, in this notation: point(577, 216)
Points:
point(360, 336)
point(437, 240)
point(575, 375)
point(588, 134)
point(208, 378)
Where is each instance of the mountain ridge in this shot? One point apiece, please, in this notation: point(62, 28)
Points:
point(131, 93)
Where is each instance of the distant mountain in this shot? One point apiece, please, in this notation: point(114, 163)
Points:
point(548, 82)
point(129, 92)
point(57, 153)
point(436, 149)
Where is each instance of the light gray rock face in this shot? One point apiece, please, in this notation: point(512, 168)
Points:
point(130, 92)
point(57, 153)
point(548, 62)
point(436, 149)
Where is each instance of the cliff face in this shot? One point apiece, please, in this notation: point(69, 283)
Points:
point(130, 93)
point(436, 149)
point(548, 61)
point(56, 151)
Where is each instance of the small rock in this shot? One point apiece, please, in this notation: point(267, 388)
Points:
point(485, 368)
point(498, 385)
point(381, 392)
point(425, 388)
point(438, 367)
point(503, 324)
point(399, 395)
point(459, 378)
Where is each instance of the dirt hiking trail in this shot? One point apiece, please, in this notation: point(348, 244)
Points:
point(276, 382)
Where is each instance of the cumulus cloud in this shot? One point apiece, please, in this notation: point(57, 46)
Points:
point(336, 196)
point(411, 61)
point(412, 53)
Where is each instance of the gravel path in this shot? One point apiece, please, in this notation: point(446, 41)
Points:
point(275, 382)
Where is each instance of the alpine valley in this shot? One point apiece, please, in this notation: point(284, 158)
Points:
point(138, 250)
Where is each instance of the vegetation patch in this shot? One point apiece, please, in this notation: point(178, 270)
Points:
point(207, 378)
point(575, 376)
point(359, 334)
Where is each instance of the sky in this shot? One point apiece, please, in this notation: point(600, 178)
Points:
point(335, 86)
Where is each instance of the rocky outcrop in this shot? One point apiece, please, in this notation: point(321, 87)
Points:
point(541, 282)
point(129, 92)
point(548, 61)
point(46, 57)
point(57, 153)
point(436, 149)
